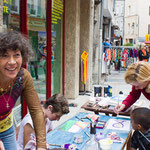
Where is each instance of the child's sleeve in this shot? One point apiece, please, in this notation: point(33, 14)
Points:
point(134, 141)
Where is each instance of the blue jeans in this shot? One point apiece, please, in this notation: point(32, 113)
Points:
point(9, 139)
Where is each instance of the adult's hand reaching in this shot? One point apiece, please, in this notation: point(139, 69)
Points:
point(119, 108)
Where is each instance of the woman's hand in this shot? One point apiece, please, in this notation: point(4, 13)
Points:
point(1, 145)
point(119, 108)
point(41, 149)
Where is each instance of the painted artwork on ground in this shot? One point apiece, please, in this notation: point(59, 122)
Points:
point(118, 124)
point(73, 126)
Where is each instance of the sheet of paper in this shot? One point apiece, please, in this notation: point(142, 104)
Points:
point(73, 126)
point(118, 124)
point(74, 129)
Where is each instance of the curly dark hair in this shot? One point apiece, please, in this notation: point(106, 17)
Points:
point(142, 116)
point(59, 103)
point(14, 40)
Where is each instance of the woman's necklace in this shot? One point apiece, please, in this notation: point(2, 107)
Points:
point(4, 92)
point(7, 100)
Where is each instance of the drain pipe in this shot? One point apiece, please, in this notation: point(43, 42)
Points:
point(100, 47)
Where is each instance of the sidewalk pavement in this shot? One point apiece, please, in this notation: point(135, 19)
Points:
point(115, 80)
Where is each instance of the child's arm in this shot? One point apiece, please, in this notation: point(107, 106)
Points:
point(28, 130)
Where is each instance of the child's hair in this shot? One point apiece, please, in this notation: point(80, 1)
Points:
point(14, 40)
point(59, 103)
point(141, 116)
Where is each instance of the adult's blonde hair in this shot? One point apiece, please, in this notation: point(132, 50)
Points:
point(138, 72)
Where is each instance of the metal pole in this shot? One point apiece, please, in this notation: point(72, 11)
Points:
point(100, 47)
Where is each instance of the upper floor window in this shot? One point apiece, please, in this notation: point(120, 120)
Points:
point(128, 28)
point(133, 28)
point(15, 6)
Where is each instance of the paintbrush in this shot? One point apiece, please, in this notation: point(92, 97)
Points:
point(54, 145)
point(78, 118)
point(117, 105)
point(86, 133)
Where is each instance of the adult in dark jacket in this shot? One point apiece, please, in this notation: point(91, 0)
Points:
point(143, 54)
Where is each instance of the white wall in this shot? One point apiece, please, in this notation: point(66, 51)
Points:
point(143, 11)
point(136, 12)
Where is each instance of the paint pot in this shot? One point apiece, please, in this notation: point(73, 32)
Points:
point(97, 91)
point(99, 136)
point(105, 144)
point(105, 91)
point(69, 146)
point(109, 91)
point(78, 138)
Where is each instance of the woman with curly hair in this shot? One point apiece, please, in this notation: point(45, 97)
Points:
point(15, 81)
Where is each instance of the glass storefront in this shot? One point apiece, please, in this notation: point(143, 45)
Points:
point(57, 30)
point(36, 26)
point(36, 30)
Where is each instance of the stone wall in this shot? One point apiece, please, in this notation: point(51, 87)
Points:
point(72, 38)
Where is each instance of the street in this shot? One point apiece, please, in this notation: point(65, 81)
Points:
point(116, 80)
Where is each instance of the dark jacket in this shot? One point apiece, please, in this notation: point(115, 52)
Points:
point(141, 141)
point(142, 57)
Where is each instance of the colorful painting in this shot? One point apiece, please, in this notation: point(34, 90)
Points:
point(73, 126)
point(118, 124)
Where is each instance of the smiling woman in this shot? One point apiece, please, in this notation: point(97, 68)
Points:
point(14, 82)
point(10, 64)
point(138, 75)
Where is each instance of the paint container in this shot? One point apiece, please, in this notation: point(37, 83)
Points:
point(99, 136)
point(105, 144)
point(109, 91)
point(97, 91)
point(105, 91)
point(69, 146)
point(78, 138)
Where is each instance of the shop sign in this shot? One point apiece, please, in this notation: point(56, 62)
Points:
point(57, 10)
point(6, 6)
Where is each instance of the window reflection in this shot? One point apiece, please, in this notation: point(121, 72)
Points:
point(36, 11)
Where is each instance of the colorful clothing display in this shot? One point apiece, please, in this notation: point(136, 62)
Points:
point(120, 55)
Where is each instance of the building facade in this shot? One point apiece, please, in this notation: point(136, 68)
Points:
point(137, 15)
point(119, 21)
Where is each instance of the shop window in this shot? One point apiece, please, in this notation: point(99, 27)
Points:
point(14, 6)
point(32, 6)
point(37, 33)
point(39, 9)
point(57, 36)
